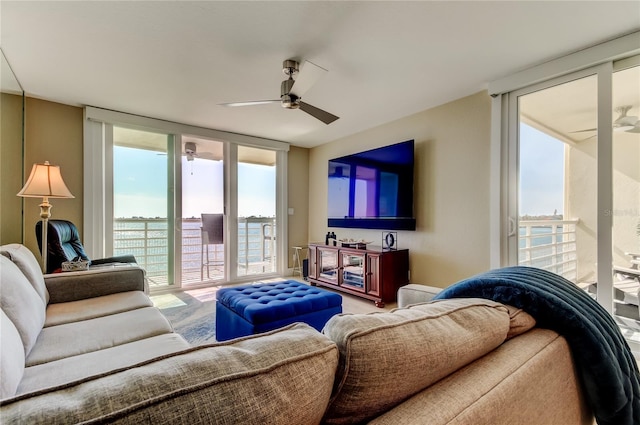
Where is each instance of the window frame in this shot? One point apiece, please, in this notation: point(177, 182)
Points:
point(98, 179)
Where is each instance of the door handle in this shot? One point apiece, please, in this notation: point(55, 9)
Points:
point(511, 231)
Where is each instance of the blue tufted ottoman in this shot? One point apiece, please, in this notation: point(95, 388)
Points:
point(250, 309)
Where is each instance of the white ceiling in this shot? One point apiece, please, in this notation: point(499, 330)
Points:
point(386, 60)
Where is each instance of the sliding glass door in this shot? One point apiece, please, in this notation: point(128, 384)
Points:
point(142, 207)
point(195, 206)
point(574, 185)
point(202, 210)
point(557, 179)
point(256, 211)
point(626, 197)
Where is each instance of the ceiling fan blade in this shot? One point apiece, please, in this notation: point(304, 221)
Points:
point(209, 156)
point(634, 129)
point(250, 103)
point(309, 74)
point(318, 113)
point(625, 121)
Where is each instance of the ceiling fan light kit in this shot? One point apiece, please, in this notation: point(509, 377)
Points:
point(291, 90)
point(191, 152)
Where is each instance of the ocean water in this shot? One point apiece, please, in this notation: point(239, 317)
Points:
point(539, 236)
point(542, 243)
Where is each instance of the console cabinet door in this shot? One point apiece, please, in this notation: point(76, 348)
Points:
point(373, 274)
point(328, 265)
point(353, 270)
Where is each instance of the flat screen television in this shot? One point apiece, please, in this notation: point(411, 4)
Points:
point(373, 189)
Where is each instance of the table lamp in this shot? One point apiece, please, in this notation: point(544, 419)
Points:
point(45, 182)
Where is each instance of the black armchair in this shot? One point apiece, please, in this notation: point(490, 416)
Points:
point(63, 244)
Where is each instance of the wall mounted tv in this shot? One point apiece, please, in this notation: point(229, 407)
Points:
point(373, 189)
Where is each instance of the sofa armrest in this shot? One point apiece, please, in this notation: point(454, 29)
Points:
point(73, 286)
point(414, 293)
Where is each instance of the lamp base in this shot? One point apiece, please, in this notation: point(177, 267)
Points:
point(45, 213)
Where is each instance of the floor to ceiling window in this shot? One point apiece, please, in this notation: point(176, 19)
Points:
point(557, 175)
point(202, 211)
point(141, 207)
point(195, 206)
point(256, 218)
point(626, 197)
point(571, 181)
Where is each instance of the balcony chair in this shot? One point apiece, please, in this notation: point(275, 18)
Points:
point(627, 283)
point(63, 244)
point(212, 233)
point(626, 288)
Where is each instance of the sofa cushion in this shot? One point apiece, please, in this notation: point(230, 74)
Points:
point(527, 380)
point(21, 303)
point(412, 348)
point(11, 357)
point(28, 265)
point(90, 308)
point(72, 339)
point(83, 366)
point(519, 321)
point(280, 377)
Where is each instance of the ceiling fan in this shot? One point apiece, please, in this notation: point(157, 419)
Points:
point(624, 122)
point(291, 90)
point(191, 152)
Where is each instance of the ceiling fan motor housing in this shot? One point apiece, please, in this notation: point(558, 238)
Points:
point(190, 148)
point(289, 101)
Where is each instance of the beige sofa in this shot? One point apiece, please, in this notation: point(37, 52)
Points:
point(89, 347)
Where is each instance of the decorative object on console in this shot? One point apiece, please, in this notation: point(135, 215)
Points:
point(331, 239)
point(389, 240)
point(45, 181)
point(352, 243)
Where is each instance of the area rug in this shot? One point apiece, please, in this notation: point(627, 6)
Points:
point(191, 313)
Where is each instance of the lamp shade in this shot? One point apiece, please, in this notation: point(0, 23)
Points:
point(45, 181)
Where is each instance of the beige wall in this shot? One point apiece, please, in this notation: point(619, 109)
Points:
point(298, 198)
point(451, 189)
point(53, 132)
point(10, 168)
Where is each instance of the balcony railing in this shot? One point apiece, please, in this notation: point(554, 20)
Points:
point(549, 245)
point(147, 239)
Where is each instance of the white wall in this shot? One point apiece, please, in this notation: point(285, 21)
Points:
point(451, 190)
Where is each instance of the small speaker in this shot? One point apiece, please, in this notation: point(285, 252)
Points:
point(305, 269)
point(389, 240)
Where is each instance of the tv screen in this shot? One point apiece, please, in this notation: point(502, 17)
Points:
point(373, 189)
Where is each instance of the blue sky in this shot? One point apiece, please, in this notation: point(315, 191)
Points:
point(140, 184)
point(541, 173)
